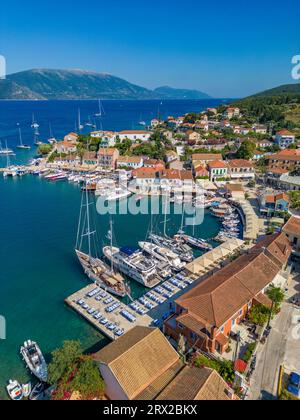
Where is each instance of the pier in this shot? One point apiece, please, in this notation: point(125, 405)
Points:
point(101, 306)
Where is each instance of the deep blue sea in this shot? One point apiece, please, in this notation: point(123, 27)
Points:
point(38, 223)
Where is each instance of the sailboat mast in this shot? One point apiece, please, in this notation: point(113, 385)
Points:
point(111, 244)
point(20, 135)
point(88, 217)
point(165, 219)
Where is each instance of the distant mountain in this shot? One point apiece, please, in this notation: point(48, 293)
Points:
point(171, 93)
point(80, 84)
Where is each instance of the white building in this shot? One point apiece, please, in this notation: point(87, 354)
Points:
point(134, 162)
point(134, 135)
point(284, 139)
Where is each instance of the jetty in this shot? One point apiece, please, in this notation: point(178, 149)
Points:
point(96, 303)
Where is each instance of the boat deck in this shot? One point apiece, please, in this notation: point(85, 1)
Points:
point(113, 318)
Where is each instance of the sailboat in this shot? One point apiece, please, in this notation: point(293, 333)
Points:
point(183, 251)
point(5, 151)
point(22, 145)
point(51, 139)
point(34, 124)
point(80, 126)
point(100, 112)
point(103, 275)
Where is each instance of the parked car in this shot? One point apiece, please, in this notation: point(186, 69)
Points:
point(294, 384)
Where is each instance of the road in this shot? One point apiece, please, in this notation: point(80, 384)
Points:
point(282, 348)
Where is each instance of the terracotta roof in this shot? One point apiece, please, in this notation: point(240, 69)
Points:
point(240, 163)
point(138, 359)
point(107, 151)
point(194, 383)
point(285, 133)
point(134, 132)
point(206, 156)
point(264, 300)
point(293, 226)
point(215, 164)
point(235, 187)
point(129, 159)
point(155, 388)
point(278, 171)
point(221, 296)
point(287, 154)
point(270, 199)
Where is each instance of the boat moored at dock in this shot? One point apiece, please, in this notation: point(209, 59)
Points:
point(133, 264)
point(35, 360)
point(163, 254)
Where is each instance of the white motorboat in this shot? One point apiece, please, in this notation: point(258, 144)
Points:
point(14, 390)
point(35, 360)
point(163, 254)
point(118, 194)
point(133, 264)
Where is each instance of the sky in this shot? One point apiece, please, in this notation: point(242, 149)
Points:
point(226, 49)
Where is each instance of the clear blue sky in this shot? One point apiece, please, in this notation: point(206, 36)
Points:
point(227, 49)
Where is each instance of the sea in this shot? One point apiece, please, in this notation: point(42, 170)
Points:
point(38, 226)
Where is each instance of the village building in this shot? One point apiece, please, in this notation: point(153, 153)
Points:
point(272, 204)
point(235, 191)
point(205, 158)
point(218, 169)
point(176, 164)
point(260, 129)
point(200, 171)
point(231, 113)
point(284, 139)
point(171, 156)
point(90, 159)
point(285, 159)
point(134, 135)
point(133, 162)
point(156, 164)
point(264, 144)
point(69, 160)
point(241, 169)
point(71, 138)
point(155, 123)
point(192, 136)
point(213, 309)
point(66, 147)
point(108, 138)
point(292, 231)
point(142, 365)
point(108, 157)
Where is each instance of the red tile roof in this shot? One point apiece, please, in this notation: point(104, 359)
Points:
point(218, 298)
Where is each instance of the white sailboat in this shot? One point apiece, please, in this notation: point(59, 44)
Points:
point(5, 151)
point(34, 124)
point(21, 145)
point(80, 126)
point(100, 112)
point(51, 139)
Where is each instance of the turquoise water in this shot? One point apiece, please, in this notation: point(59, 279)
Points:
point(38, 269)
point(38, 224)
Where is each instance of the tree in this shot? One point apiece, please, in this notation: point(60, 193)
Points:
point(246, 151)
point(63, 359)
point(73, 372)
point(259, 315)
point(44, 149)
point(277, 297)
point(88, 381)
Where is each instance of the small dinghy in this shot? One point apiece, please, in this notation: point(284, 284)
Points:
point(14, 390)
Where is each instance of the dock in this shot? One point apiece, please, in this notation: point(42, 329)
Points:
point(100, 305)
point(148, 310)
